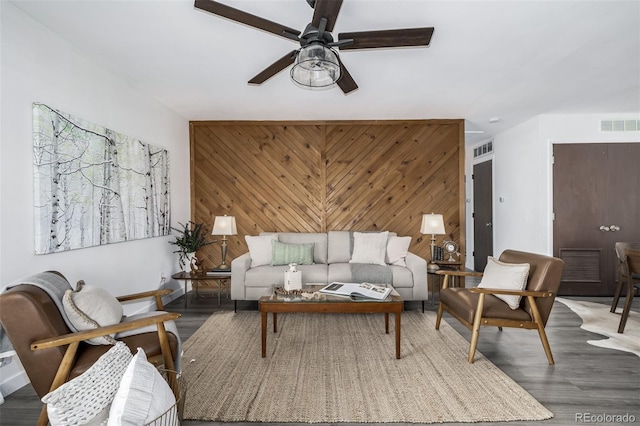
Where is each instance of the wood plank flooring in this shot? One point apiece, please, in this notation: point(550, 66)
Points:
point(585, 378)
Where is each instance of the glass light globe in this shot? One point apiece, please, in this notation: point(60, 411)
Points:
point(316, 66)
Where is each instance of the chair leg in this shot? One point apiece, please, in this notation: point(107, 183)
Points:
point(168, 358)
point(541, 332)
point(43, 419)
point(475, 332)
point(616, 296)
point(61, 376)
point(439, 317)
point(627, 306)
point(65, 366)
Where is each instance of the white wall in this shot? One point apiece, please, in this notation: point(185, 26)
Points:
point(522, 176)
point(39, 66)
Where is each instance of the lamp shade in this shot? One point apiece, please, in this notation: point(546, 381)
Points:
point(316, 66)
point(224, 225)
point(432, 224)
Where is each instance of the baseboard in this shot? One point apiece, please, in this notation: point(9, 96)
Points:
point(13, 377)
point(173, 296)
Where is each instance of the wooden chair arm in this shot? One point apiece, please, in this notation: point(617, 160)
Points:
point(447, 273)
point(153, 293)
point(79, 336)
point(511, 292)
point(459, 273)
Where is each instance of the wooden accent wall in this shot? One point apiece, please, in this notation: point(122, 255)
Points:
point(332, 175)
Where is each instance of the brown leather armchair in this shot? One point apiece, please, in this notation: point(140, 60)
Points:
point(622, 271)
point(52, 354)
point(476, 307)
point(631, 272)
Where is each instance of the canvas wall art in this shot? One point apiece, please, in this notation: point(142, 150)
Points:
point(94, 186)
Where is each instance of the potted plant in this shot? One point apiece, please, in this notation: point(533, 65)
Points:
point(191, 237)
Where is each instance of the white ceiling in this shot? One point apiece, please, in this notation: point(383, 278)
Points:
point(506, 59)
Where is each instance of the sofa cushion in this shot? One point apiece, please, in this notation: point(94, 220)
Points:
point(505, 276)
point(369, 247)
point(402, 277)
point(263, 276)
point(339, 247)
point(284, 254)
point(319, 239)
point(397, 248)
point(341, 272)
point(260, 249)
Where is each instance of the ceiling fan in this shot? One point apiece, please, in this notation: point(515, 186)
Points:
point(317, 63)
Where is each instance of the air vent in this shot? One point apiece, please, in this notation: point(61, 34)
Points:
point(484, 149)
point(619, 125)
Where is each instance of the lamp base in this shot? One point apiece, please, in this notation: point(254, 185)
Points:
point(432, 267)
point(222, 267)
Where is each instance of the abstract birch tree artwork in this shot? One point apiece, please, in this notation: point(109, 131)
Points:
point(94, 186)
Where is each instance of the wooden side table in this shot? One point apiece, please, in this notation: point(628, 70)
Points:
point(435, 280)
point(196, 278)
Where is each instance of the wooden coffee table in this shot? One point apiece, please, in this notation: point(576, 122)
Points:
point(323, 303)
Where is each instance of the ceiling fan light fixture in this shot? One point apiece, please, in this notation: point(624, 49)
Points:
point(316, 66)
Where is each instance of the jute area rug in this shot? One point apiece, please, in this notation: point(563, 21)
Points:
point(342, 368)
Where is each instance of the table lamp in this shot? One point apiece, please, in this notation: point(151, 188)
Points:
point(432, 224)
point(224, 225)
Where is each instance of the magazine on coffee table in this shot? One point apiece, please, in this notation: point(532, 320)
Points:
point(357, 290)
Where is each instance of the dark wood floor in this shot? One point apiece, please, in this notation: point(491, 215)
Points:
point(585, 378)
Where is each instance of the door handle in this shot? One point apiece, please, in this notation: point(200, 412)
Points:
point(488, 224)
point(614, 228)
point(604, 228)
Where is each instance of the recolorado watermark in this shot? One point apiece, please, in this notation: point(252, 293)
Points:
point(605, 418)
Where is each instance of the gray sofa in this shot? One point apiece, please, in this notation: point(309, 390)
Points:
point(331, 255)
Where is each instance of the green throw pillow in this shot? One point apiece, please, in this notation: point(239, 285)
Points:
point(284, 254)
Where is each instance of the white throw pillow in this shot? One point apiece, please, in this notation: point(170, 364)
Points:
point(397, 249)
point(91, 307)
point(505, 276)
point(369, 247)
point(260, 249)
point(86, 399)
point(143, 394)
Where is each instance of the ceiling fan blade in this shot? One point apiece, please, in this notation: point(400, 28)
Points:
point(275, 68)
point(327, 9)
point(246, 18)
point(387, 38)
point(346, 82)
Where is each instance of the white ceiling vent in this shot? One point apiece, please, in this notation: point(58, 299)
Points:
point(484, 149)
point(619, 125)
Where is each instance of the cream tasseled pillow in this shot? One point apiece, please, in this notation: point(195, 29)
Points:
point(505, 276)
point(91, 307)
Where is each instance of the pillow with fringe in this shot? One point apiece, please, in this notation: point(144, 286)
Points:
point(91, 307)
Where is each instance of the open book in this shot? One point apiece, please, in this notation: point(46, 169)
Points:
point(357, 290)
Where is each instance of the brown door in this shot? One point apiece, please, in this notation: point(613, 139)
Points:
point(596, 201)
point(482, 214)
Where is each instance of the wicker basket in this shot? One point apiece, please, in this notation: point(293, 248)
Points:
point(173, 416)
